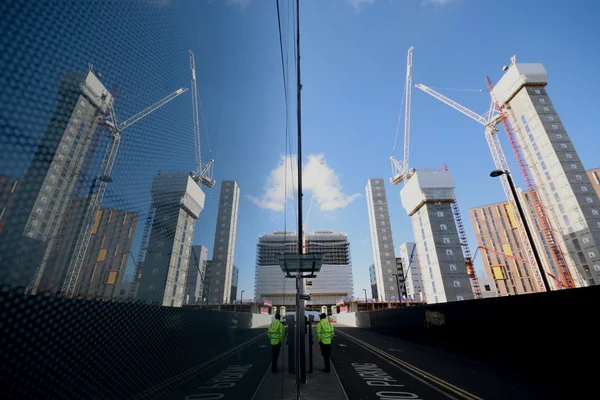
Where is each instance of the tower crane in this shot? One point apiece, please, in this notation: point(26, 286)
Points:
point(115, 128)
point(490, 121)
point(203, 173)
point(400, 171)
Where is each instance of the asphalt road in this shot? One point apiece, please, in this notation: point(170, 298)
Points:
point(233, 374)
point(376, 366)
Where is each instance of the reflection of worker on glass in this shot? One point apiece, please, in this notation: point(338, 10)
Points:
point(276, 334)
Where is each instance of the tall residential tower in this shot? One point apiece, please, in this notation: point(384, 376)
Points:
point(384, 258)
point(178, 201)
point(564, 187)
point(221, 276)
point(427, 198)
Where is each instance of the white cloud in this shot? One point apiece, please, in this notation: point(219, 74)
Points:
point(438, 2)
point(319, 181)
point(360, 4)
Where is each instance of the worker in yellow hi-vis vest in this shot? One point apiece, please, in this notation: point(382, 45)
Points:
point(276, 335)
point(324, 337)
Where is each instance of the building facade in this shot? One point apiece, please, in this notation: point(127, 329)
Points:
point(565, 189)
point(501, 248)
point(178, 202)
point(384, 258)
point(194, 286)
point(373, 281)
point(224, 248)
point(105, 260)
point(269, 281)
point(234, 283)
point(594, 175)
point(427, 198)
point(412, 271)
point(333, 282)
point(49, 182)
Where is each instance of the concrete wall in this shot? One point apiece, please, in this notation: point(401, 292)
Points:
point(348, 319)
point(108, 350)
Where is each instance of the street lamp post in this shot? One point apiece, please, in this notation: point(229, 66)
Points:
point(242, 296)
point(366, 305)
point(513, 189)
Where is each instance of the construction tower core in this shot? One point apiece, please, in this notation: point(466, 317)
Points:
point(427, 198)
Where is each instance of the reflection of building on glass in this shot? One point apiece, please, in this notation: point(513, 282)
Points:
point(196, 273)
point(106, 257)
point(234, 283)
point(221, 273)
point(178, 202)
point(428, 197)
point(9, 187)
point(400, 275)
point(47, 187)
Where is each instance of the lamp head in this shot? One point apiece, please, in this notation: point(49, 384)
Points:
point(496, 173)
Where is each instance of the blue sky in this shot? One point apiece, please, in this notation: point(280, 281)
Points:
point(353, 66)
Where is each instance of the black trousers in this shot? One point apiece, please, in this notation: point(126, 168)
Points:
point(275, 350)
point(326, 351)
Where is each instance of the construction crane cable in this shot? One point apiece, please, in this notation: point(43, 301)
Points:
point(400, 114)
point(460, 90)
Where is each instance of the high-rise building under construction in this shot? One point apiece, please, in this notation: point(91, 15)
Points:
point(427, 198)
point(46, 190)
point(384, 258)
point(564, 188)
point(178, 202)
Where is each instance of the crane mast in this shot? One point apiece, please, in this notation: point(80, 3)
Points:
point(203, 173)
point(400, 171)
point(100, 184)
point(491, 122)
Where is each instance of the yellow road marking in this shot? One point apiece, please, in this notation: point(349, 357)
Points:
point(455, 389)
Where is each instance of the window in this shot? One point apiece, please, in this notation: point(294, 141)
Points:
point(158, 256)
point(555, 127)
point(385, 246)
point(446, 240)
point(456, 283)
point(378, 194)
point(539, 155)
point(452, 267)
point(217, 281)
point(387, 254)
point(382, 223)
point(460, 298)
point(449, 252)
point(389, 271)
point(584, 189)
point(440, 213)
point(543, 101)
point(563, 145)
point(543, 164)
point(391, 280)
point(383, 231)
point(218, 273)
point(597, 267)
point(487, 288)
point(579, 177)
point(151, 288)
point(594, 212)
point(443, 227)
point(569, 156)
point(550, 119)
point(546, 109)
point(155, 271)
point(591, 254)
point(391, 288)
point(573, 166)
point(589, 200)
point(379, 202)
point(377, 188)
point(537, 91)
point(388, 262)
point(384, 238)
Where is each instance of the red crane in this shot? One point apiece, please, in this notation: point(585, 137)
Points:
point(555, 251)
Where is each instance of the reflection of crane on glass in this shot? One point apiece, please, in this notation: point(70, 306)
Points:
point(100, 183)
